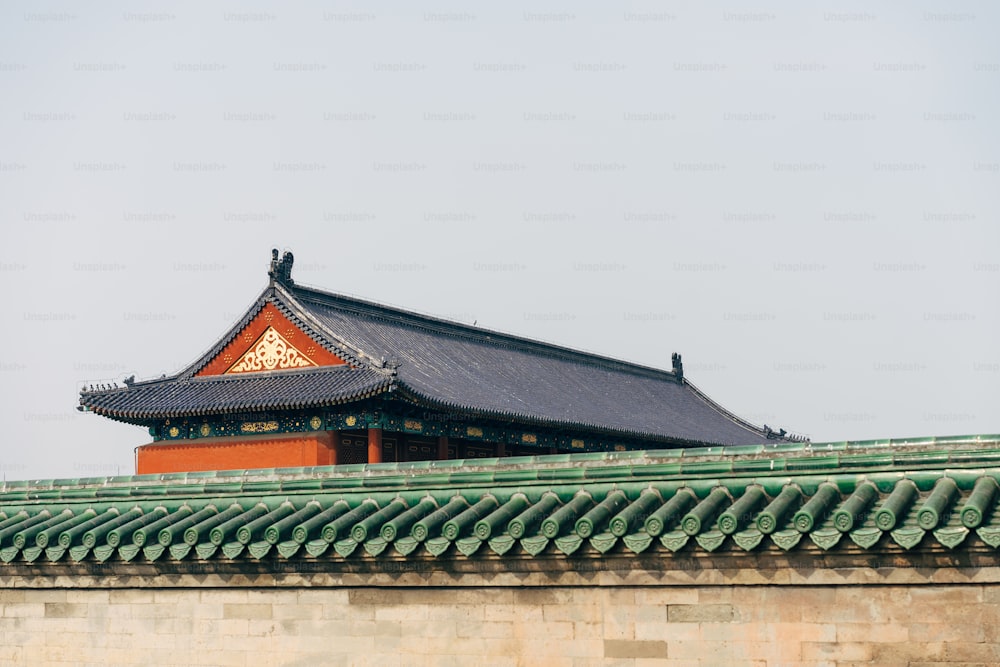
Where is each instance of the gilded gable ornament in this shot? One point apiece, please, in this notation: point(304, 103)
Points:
point(271, 352)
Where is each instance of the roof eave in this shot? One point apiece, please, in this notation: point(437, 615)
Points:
point(419, 398)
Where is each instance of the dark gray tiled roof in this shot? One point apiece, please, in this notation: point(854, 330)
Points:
point(460, 367)
point(446, 365)
point(246, 392)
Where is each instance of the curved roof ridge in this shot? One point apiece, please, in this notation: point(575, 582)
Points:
point(419, 396)
point(493, 337)
point(733, 417)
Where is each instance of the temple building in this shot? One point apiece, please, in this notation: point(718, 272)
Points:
point(306, 377)
point(340, 483)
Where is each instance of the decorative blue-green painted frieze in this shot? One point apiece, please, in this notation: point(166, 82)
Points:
point(382, 415)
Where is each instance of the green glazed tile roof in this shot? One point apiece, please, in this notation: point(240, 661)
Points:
point(889, 495)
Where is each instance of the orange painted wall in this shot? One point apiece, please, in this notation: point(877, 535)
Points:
point(285, 450)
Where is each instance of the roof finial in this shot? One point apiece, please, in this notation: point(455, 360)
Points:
point(678, 365)
point(281, 270)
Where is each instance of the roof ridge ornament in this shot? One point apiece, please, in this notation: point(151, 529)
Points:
point(281, 270)
point(678, 365)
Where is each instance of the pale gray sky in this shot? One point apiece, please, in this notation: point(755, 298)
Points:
point(801, 200)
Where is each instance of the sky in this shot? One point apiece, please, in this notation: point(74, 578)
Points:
point(801, 200)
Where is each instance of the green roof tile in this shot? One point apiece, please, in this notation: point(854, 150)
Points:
point(905, 495)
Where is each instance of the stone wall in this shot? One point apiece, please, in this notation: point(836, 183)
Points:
point(674, 626)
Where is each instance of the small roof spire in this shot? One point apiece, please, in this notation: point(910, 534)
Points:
point(678, 365)
point(281, 270)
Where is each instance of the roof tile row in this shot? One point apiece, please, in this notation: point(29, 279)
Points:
point(637, 517)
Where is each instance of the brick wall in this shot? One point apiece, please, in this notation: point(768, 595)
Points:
point(572, 626)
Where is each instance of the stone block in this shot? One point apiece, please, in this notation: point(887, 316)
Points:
point(582, 612)
point(970, 630)
point(871, 632)
point(484, 629)
point(532, 597)
point(47, 595)
point(837, 651)
point(625, 648)
point(220, 595)
point(619, 623)
point(619, 596)
point(719, 594)
point(65, 610)
point(698, 613)
point(297, 611)
point(710, 653)
point(964, 652)
point(246, 611)
point(408, 612)
point(11, 595)
point(990, 593)
point(588, 630)
point(131, 596)
point(500, 612)
point(24, 609)
point(665, 595)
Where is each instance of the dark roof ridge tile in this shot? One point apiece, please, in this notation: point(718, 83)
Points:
point(474, 469)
